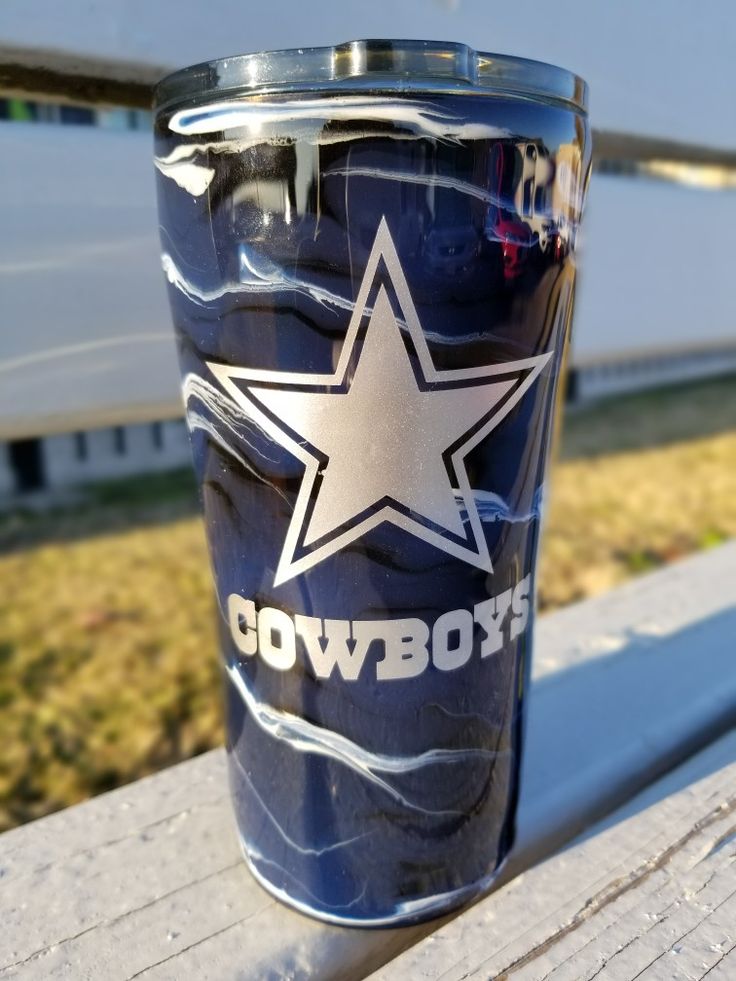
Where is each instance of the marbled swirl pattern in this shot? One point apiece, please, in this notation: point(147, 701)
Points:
point(370, 801)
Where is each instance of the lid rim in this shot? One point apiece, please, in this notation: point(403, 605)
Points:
point(434, 65)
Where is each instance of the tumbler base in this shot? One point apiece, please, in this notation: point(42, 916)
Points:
point(404, 914)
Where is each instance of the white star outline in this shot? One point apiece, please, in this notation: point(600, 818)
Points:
point(228, 376)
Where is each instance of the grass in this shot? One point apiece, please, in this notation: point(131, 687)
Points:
point(108, 668)
point(639, 482)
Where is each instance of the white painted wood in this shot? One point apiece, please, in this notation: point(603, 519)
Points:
point(147, 881)
point(657, 69)
point(85, 331)
point(649, 893)
point(625, 685)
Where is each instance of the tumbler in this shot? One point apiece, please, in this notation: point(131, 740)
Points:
point(369, 255)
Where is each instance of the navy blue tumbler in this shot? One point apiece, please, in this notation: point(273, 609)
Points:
point(369, 252)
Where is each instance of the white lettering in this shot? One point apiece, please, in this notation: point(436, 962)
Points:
point(331, 642)
point(459, 623)
point(490, 614)
point(341, 646)
point(243, 622)
point(520, 607)
point(276, 638)
point(406, 654)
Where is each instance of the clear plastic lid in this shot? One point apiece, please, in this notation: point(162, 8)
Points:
point(385, 65)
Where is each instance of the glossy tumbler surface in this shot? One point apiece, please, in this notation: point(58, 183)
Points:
point(369, 252)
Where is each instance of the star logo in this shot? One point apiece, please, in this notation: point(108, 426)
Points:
point(383, 438)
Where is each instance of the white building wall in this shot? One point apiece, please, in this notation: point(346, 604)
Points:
point(86, 335)
point(659, 68)
point(106, 460)
point(615, 378)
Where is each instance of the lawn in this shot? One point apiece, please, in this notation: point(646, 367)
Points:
point(108, 666)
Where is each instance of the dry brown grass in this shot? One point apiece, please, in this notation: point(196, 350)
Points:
point(107, 642)
point(616, 515)
point(107, 664)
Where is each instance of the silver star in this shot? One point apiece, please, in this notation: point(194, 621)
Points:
point(379, 445)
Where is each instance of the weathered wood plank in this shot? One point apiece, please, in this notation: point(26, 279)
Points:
point(147, 880)
point(626, 685)
point(655, 69)
point(650, 893)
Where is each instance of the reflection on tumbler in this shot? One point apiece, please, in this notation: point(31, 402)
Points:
point(372, 291)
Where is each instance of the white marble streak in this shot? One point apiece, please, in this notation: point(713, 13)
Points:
point(197, 421)
point(428, 180)
point(492, 507)
point(260, 118)
point(284, 128)
point(192, 177)
point(311, 137)
point(252, 856)
point(224, 410)
point(305, 737)
point(270, 279)
point(184, 151)
point(259, 274)
point(454, 184)
point(287, 839)
point(223, 413)
point(440, 902)
point(260, 281)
